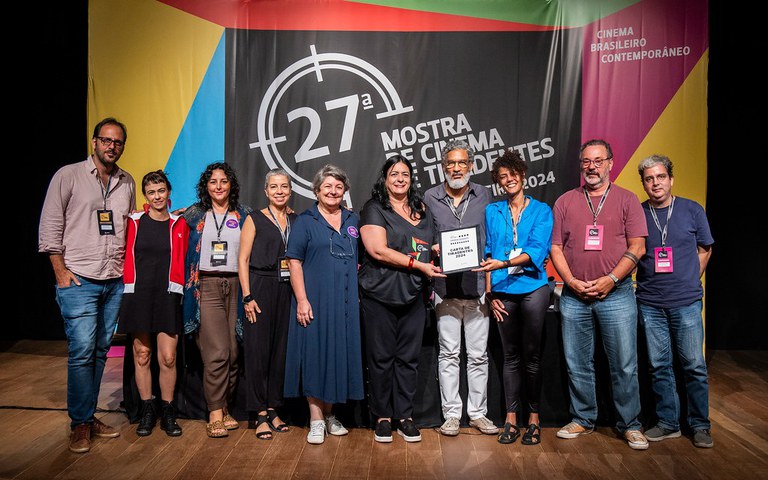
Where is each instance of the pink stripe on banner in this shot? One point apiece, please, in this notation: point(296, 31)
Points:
point(634, 62)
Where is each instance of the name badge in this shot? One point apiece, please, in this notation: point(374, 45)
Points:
point(662, 259)
point(218, 253)
point(593, 240)
point(106, 225)
point(283, 274)
point(516, 268)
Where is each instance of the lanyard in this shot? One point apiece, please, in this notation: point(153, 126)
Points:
point(215, 222)
point(104, 193)
point(516, 222)
point(595, 213)
point(656, 220)
point(456, 212)
point(284, 234)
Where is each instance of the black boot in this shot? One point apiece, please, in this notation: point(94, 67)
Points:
point(147, 419)
point(168, 420)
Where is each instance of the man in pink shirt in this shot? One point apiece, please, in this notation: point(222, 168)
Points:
point(82, 229)
point(598, 236)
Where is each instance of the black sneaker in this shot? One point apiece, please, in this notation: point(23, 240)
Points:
point(383, 432)
point(408, 431)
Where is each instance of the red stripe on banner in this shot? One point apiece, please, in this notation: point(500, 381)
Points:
point(338, 15)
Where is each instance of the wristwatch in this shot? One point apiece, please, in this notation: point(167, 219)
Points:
point(247, 298)
point(614, 278)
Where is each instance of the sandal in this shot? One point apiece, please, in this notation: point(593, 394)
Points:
point(216, 429)
point(532, 436)
point(230, 423)
point(509, 435)
point(272, 414)
point(264, 434)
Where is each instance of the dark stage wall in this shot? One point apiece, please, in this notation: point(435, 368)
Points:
point(46, 106)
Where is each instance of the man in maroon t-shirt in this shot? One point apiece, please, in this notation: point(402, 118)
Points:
point(598, 236)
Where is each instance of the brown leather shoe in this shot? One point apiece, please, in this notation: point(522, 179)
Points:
point(101, 429)
point(80, 440)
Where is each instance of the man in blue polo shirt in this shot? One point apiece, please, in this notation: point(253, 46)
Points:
point(669, 294)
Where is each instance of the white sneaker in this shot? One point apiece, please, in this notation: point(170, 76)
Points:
point(484, 425)
point(450, 427)
point(334, 426)
point(316, 434)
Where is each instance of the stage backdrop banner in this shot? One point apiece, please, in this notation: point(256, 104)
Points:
point(301, 84)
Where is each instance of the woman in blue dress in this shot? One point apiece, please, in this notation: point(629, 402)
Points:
point(324, 360)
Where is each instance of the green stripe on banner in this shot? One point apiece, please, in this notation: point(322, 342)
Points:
point(564, 13)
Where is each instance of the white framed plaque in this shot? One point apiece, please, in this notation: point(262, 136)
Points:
point(460, 250)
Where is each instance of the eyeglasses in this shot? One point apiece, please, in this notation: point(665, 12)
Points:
point(343, 254)
point(597, 162)
point(460, 163)
point(106, 141)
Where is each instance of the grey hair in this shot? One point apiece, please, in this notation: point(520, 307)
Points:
point(330, 171)
point(457, 144)
point(275, 172)
point(654, 160)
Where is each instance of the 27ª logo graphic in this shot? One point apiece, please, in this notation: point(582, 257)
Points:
point(271, 126)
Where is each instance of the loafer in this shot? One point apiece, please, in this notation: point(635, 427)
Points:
point(80, 439)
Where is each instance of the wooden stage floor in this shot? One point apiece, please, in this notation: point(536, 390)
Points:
point(34, 437)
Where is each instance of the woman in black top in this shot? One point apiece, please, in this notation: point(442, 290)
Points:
point(156, 244)
point(393, 278)
point(266, 287)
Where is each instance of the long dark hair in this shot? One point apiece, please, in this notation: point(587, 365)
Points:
point(204, 200)
point(381, 195)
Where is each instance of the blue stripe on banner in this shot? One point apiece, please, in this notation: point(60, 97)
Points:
point(201, 140)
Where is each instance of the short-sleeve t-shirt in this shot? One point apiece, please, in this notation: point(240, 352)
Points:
point(387, 284)
point(621, 216)
point(687, 229)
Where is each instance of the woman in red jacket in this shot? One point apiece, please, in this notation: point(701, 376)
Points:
point(154, 280)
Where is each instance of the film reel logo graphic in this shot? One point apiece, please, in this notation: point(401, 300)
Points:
point(268, 123)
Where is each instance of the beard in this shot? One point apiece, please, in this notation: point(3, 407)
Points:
point(458, 184)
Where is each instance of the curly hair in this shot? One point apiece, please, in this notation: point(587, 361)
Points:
point(381, 195)
point(204, 199)
point(512, 161)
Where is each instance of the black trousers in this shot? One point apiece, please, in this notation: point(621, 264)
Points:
point(265, 343)
point(521, 334)
point(393, 337)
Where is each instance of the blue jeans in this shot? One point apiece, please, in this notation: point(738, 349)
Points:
point(616, 317)
point(677, 330)
point(90, 316)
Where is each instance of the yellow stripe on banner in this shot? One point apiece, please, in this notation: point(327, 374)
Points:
point(681, 134)
point(146, 63)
